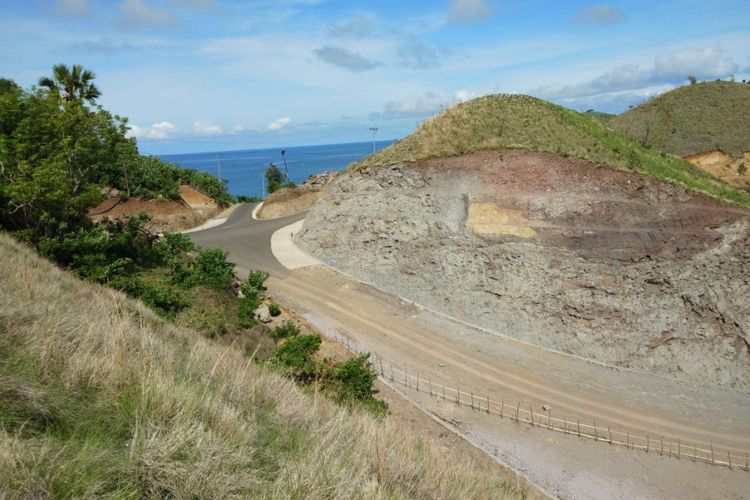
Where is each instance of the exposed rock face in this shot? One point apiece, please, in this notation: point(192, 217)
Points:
point(606, 265)
point(290, 201)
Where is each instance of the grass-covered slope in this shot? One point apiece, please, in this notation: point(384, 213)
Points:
point(692, 119)
point(100, 397)
point(523, 122)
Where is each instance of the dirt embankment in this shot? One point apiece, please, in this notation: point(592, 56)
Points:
point(192, 209)
point(291, 201)
point(734, 171)
point(607, 265)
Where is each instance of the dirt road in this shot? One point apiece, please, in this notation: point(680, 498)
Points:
point(442, 349)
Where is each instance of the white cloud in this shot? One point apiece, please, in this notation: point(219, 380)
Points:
point(138, 14)
point(70, 8)
point(279, 123)
point(601, 14)
point(205, 128)
point(357, 27)
point(672, 68)
point(238, 128)
point(469, 11)
point(422, 105)
point(416, 54)
point(344, 58)
point(157, 131)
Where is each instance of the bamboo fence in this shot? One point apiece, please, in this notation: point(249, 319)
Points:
point(585, 428)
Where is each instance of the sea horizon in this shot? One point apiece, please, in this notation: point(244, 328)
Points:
point(243, 169)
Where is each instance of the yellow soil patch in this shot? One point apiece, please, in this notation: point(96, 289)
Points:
point(723, 166)
point(196, 199)
point(487, 219)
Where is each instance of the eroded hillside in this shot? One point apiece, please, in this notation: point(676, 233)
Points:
point(610, 265)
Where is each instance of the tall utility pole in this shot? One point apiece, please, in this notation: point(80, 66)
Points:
point(286, 170)
point(374, 131)
point(263, 181)
point(218, 164)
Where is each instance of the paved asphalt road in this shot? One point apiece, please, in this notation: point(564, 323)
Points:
point(247, 240)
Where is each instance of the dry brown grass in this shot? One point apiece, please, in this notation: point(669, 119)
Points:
point(99, 397)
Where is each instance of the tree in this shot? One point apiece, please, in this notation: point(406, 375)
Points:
point(7, 86)
point(692, 79)
point(274, 177)
point(71, 84)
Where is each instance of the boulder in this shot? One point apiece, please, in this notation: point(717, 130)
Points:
point(262, 314)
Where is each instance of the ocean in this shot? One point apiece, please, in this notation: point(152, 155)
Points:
point(243, 170)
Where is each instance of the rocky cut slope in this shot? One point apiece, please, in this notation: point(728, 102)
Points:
point(607, 264)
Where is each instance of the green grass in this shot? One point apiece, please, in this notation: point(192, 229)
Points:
point(521, 122)
point(692, 119)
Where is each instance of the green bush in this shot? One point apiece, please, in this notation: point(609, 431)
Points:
point(255, 279)
point(295, 357)
point(246, 307)
point(212, 269)
point(285, 330)
point(274, 309)
point(162, 299)
point(352, 383)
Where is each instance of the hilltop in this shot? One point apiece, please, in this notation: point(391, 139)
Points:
point(709, 116)
point(538, 222)
point(503, 121)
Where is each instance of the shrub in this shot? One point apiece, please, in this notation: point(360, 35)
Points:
point(255, 280)
point(211, 268)
point(246, 307)
point(160, 298)
point(352, 383)
point(285, 330)
point(295, 357)
point(274, 309)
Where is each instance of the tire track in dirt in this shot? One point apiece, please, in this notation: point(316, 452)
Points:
point(400, 333)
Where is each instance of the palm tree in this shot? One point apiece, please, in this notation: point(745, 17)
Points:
point(71, 83)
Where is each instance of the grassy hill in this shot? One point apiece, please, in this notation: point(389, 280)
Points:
point(100, 397)
point(522, 122)
point(692, 119)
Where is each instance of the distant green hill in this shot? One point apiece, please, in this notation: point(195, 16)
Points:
point(521, 122)
point(692, 119)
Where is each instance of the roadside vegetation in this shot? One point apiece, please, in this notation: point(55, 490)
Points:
point(695, 118)
point(522, 122)
point(100, 396)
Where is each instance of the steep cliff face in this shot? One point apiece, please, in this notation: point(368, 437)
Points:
point(608, 265)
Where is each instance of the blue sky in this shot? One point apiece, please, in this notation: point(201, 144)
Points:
point(206, 75)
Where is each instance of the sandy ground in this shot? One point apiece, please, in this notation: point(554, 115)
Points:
point(436, 347)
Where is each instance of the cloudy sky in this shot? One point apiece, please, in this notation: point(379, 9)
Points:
point(207, 75)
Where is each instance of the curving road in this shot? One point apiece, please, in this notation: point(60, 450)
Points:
point(247, 240)
point(446, 350)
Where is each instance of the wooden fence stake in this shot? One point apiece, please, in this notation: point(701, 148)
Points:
point(488, 403)
point(381, 366)
point(417, 381)
point(695, 452)
point(627, 440)
point(406, 380)
point(443, 392)
point(565, 424)
point(391, 372)
point(531, 410)
point(648, 443)
point(429, 379)
point(502, 407)
point(679, 449)
point(713, 458)
point(747, 463)
point(549, 419)
point(472, 400)
point(661, 450)
point(518, 409)
point(458, 396)
point(610, 434)
point(579, 427)
point(729, 460)
point(596, 435)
